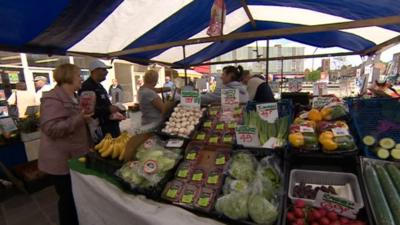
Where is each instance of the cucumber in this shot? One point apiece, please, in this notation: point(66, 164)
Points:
point(394, 173)
point(387, 143)
point(377, 198)
point(390, 192)
point(381, 153)
point(369, 140)
point(395, 153)
point(397, 146)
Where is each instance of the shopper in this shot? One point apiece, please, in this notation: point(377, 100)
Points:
point(64, 136)
point(151, 105)
point(103, 108)
point(41, 85)
point(258, 89)
point(116, 92)
point(168, 84)
point(231, 78)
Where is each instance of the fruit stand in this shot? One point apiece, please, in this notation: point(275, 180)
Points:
point(305, 168)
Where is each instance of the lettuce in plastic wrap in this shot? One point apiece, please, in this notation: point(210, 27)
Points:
point(243, 167)
point(233, 205)
point(261, 210)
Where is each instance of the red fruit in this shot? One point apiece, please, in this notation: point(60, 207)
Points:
point(316, 214)
point(324, 221)
point(344, 220)
point(290, 216)
point(332, 216)
point(298, 213)
point(315, 223)
point(300, 222)
point(299, 203)
point(322, 212)
point(335, 223)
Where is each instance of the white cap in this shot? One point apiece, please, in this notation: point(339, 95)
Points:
point(98, 64)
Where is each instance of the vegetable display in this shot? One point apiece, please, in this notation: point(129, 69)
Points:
point(386, 148)
point(182, 121)
point(266, 130)
point(252, 194)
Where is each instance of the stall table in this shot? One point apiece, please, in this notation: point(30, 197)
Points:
point(100, 200)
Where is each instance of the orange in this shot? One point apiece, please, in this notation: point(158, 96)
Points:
point(314, 115)
point(326, 113)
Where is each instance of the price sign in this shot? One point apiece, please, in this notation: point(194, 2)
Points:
point(229, 98)
point(247, 136)
point(294, 86)
point(268, 111)
point(190, 99)
point(320, 88)
point(337, 204)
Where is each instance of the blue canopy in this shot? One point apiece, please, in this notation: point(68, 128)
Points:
point(103, 27)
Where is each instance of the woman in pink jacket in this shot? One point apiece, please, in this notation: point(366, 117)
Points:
point(64, 136)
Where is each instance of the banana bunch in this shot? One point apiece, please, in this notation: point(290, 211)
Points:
point(113, 147)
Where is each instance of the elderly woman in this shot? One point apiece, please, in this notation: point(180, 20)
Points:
point(64, 136)
point(150, 102)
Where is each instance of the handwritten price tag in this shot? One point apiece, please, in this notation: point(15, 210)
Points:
point(190, 99)
point(337, 204)
point(247, 136)
point(229, 98)
point(320, 89)
point(268, 111)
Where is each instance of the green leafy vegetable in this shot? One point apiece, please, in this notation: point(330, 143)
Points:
point(261, 210)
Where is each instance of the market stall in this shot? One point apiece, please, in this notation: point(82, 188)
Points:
point(247, 164)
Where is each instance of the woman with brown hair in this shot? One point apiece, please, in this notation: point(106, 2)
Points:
point(64, 136)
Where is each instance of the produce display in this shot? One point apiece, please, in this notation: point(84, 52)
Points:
point(182, 121)
point(382, 183)
point(266, 130)
point(113, 147)
point(385, 148)
point(151, 164)
point(198, 179)
point(251, 189)
point(300, 214)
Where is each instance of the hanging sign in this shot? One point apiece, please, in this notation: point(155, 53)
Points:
point(268, 111)
point(229, 98)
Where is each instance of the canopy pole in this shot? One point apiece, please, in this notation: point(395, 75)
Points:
point(281, 76)
point(267, 63)
point(184, 63)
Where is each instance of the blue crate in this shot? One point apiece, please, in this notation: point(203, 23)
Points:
point(368, 114)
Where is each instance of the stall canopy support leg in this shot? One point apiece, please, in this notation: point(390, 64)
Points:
point(184, 63)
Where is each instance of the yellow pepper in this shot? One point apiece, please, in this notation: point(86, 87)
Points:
point(296, 139)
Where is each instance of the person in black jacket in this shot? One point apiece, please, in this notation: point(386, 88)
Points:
point(103, 108)
point(257, 87)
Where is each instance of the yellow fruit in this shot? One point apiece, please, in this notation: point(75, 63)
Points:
point(117, 149)
point(326, 113)
point(296, 139)
point(329, 145)
point(122, 154)
point(314, 115)
point(326, 135)
point(107, 152)
point(82, 159)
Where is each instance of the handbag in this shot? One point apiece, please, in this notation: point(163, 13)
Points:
point(13, 109)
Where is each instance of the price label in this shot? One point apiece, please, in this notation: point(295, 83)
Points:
point(337, 204)
point(247, 136)
point(191, 156)
point(172, 193)
point(182, 173)
point(190, 99)
point(306, 129)
point(220, 160)
point(187, 198)
point(268, 111)
point(197, 176)
point(174, 143)
point(229, 98)
point(220, 126)
point(212, 179)
point(204, 201)
point(339, 131)
point(320, 88)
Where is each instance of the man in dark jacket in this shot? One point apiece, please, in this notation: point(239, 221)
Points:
point(103, 108)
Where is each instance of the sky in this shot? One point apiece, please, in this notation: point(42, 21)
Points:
point(355, 60)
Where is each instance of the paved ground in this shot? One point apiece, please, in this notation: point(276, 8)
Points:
point(39, 208)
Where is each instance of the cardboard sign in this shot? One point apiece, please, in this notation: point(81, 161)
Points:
point(294, 85)
point(268, 111)
point(337, 204)
point(229, 98)
point(247, 136)
point(190, 99)
point(320, 88)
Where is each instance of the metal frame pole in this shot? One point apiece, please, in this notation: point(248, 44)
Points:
point(267, 63)
point(184, 63)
